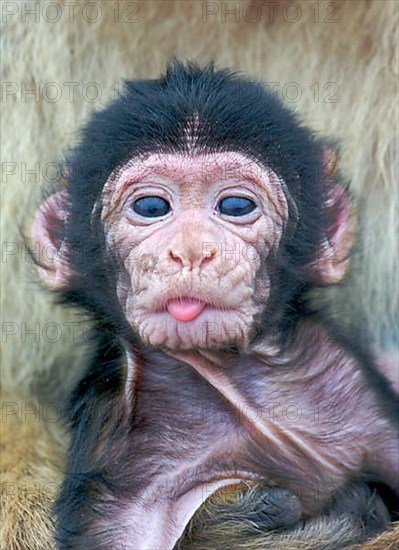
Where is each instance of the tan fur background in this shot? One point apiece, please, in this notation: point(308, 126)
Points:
point(348, 48)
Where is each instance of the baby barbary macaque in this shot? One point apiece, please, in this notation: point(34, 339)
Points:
point(197, 215)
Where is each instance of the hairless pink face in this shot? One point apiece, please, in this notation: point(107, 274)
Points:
point(207, 220)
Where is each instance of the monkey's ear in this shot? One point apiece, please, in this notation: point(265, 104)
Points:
point(333, 258)
point(49, 248)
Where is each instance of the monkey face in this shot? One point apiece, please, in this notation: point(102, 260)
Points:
point(192, 217)
point(190, 235)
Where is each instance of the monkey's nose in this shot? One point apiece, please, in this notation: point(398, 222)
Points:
point(191, 257)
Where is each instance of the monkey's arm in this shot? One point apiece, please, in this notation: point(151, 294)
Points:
point(237, 519)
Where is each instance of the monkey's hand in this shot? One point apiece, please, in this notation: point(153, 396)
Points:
point(270, 518)
point(259, 507)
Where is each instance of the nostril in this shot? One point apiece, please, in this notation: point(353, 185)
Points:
point(175, 256)
point(208, 256)
point(207, 259)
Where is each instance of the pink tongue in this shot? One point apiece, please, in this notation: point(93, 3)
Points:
point(185, 309)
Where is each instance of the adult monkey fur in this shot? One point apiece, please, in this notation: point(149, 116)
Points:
point(357, 50)
point(197, 214)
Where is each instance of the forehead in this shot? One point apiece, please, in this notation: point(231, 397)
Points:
point(186, 168)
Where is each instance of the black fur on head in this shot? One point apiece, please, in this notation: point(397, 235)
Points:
point(231, 113)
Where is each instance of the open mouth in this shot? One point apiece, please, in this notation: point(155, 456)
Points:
point(185, 309)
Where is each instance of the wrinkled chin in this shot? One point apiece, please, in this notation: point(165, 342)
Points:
point(211, 329)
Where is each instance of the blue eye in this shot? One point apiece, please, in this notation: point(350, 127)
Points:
point(151, 207)
point(236, 206)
